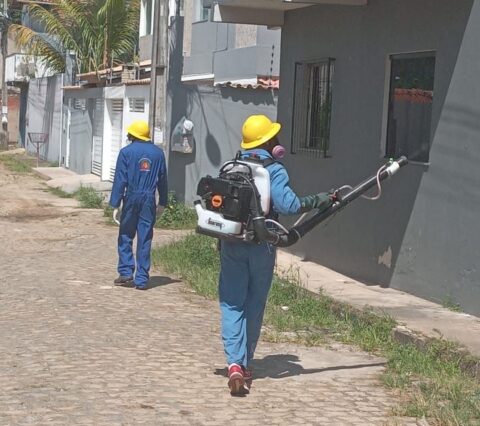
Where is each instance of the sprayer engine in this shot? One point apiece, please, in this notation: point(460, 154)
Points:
point(229, 202)
point(229, 197)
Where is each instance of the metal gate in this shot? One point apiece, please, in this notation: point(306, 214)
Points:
point(97, 148)
point(116, 114)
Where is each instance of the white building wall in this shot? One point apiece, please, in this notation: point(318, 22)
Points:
point(135, 92)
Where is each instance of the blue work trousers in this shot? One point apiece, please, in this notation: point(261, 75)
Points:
point(245, 279)
point(138, 218)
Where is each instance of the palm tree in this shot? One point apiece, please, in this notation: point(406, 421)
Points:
point(102, 33)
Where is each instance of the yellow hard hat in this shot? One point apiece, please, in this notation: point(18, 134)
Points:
point(257, 130)
point(139, 130)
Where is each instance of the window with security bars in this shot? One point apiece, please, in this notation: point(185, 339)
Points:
point(136, 104)
point(312, 107)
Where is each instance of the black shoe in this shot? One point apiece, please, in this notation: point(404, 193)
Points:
point(141, 287)
point(123, 280)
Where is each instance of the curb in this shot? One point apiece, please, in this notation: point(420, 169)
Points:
point(468, 363)
point(40, 174)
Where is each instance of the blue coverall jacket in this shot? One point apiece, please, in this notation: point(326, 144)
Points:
point(140, 172)
point(246, 274)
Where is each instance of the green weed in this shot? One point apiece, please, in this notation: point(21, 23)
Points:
point(89, 198)
point(449, 304)
point(108, 213)
point(177, 215)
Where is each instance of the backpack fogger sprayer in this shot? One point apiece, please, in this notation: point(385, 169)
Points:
point(235, 205)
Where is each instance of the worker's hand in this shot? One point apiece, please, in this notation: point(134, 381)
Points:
point(319, 201)
point(115, 215)
point(160, 210)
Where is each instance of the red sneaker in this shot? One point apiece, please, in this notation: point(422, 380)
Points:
point(248, 376)
point(236, 381)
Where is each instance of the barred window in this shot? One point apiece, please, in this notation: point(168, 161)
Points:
point(136, 104)
point(312, 107)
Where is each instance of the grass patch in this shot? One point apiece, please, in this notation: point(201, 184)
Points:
point(23, 163)
point(177, 215)
point(18, 163)
point(449, 304)
point(59, 192)
point(89, 198)
point(195, 259)
point(108, 214)
point(431, 379)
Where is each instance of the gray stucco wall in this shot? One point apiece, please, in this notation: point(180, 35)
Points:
point(423, 235)
point(44, 115)
point(218, 115)
point(145, 47)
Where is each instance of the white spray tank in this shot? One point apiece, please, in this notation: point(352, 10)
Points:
point(261, 178)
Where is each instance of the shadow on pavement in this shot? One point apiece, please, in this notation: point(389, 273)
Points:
point(158, 281)
point(285, 365)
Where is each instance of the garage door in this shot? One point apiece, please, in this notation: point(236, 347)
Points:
point(116, 113)
point(97, 149)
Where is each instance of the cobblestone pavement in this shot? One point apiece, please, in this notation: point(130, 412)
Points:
point(77, 351)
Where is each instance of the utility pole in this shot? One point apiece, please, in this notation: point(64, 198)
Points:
point(4, 45)
point(158, 74)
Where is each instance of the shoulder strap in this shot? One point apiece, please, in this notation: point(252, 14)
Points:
point(268, 162)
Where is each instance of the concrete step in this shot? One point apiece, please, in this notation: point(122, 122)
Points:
point(70, 182)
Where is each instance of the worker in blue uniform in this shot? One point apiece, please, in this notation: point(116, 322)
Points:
point(246, 269)
point(139, 173)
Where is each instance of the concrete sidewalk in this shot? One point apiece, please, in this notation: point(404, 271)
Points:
point(418, 315)
point(69, 182)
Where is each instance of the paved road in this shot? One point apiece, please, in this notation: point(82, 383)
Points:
point(77, 351)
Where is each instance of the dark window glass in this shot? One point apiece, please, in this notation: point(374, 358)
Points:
point(410, 106)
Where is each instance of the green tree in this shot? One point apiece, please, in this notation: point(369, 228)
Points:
point(102, 33)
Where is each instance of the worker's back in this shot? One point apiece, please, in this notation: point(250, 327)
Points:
point(144, 163)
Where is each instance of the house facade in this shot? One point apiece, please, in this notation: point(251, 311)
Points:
point(96, 117)
point(219, 74)
point(364, 81)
